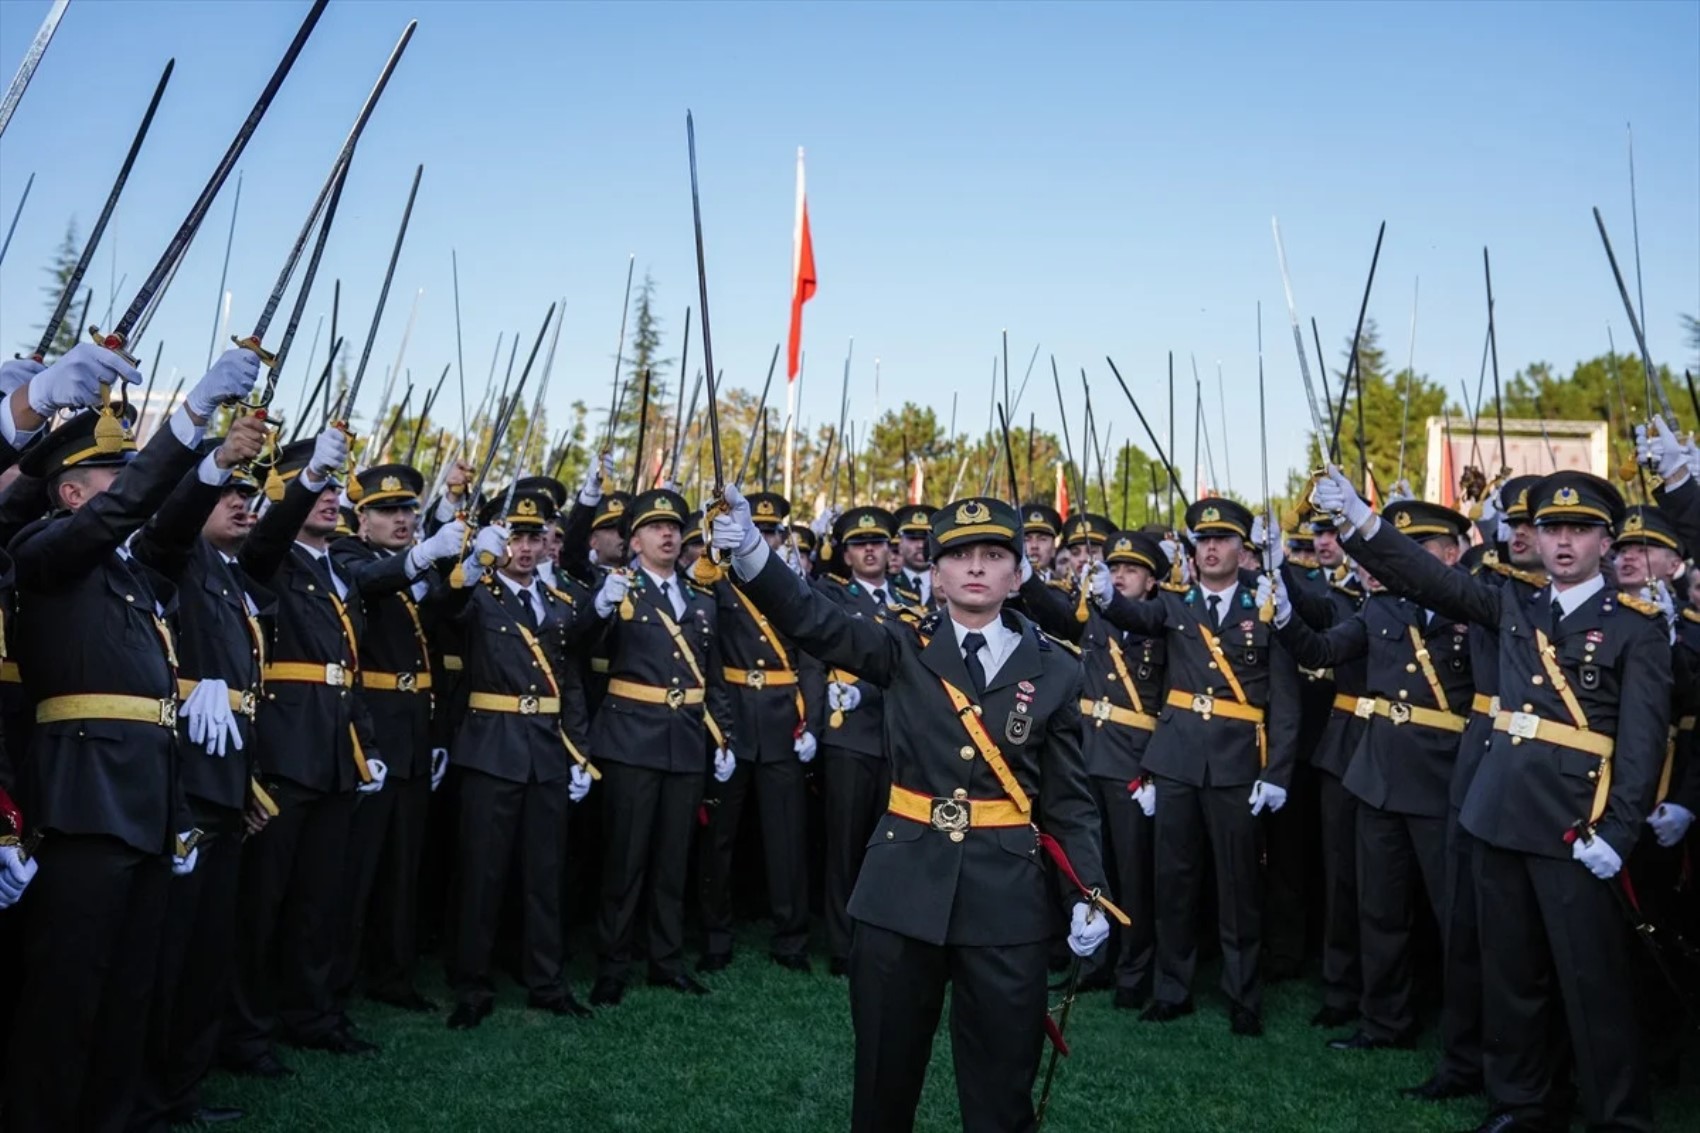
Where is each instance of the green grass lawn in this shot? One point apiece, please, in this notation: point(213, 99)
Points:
point(771, 1050)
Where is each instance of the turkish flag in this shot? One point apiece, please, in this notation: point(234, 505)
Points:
point(802, 275)
point(1062, 492)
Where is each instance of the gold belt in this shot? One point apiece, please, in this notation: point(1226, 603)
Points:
point(1686, 724)
point(310, 673)
point(1351, 705)
point(955, 815)
point(9, 673)
point(1486, 705)
point(243, 701)
point(600, 665)
point(760, 678)
point(452, 663)
point(395, 682)
point(1101, 709)
point(101, 706)
point(650, 694)
point(1401, 713)
point(1526, 726)
point(1208, 706)
point(518, 705)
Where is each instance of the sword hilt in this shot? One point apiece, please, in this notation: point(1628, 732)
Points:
point(113, 342)
point(251, 343)
point(351, 485)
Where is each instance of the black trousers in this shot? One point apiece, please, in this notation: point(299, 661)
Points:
point(493, 814)
point(1556, 965)
point(1287, 837)
point(1461, 990)
point(1401, 860)
point(858, 791)
point(1189, 820)
point(782, 803)
point(197, 961)
point(386, 845)
point(92, 923)
point(648, 816)
point(1342, 972)
point(1128, 838)
point(997, 1028)
point(289, 917)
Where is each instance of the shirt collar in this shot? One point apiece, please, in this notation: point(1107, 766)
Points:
point(671, 581)
point(1226, 594)
point(997, 634)
point(1569, 600)
point(514, 587)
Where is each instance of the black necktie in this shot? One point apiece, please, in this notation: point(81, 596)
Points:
point(1557, 617)
point(667, 597)
point(322, 567)
point(528, 613)
point(972, 643)
point(879, 597)
point(1215, 611)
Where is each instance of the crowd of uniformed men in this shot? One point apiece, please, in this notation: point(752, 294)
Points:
point(271, 728)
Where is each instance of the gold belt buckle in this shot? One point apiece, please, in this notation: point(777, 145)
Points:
point(756, 679)
point(1203, 705)
point(1101, 709)
point(676, 697)
point(168, 712)
point(334, 674)
point(528, 705)
point(1399, 713)
point(1365, 707)
point(950, 816)
point(407, 682)
point(250, 703)
point(1493, 706)
point(1524, 725)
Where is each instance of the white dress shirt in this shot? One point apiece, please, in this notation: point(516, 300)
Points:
point(336, 576)
point(527, 594)
point(671, 584)
point(1224, 606)
point(1569, 600)
point(1000, 643)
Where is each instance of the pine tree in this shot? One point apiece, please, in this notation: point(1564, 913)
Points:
point(64, 263)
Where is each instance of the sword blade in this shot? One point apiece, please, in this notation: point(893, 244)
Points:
point(16, 213)
point(32, 60)
point(760, 416)
point(702, 299)
point(383, 295)
point(275, 370)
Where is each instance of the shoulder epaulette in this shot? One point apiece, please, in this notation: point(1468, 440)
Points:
point(929, 624)
point(1690, 614)
point(1306, 562)
point(1062, 584)
point(1175, 587)
point(1535, 578)
point(1046, 639)
point(1639, 604)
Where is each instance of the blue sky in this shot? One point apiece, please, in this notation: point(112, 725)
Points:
point(1097, 178)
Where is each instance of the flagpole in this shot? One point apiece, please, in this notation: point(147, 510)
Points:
point(794, 368)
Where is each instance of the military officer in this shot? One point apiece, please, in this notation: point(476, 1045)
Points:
point(1122, 692)
point(772, 689)
point(98, 658)
point(1559, 800)
point(1041, 527)
point(858, 778)
point(1222, 755)
point(194, 538)
point(913, 565)
point(953, 889)
point(392, 574)
point(316, 751)
point(519, 754)
point(667, 719)
point(1418, 689)
point(1084, 535)
point(691, 548)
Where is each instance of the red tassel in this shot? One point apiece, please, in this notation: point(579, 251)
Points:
point(1054, 1033)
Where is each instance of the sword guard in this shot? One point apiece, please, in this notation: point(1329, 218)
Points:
point(113, 342)
point(252, 344)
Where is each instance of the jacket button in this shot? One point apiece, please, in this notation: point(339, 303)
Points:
point(966, 752)
point(957, 835)
point(889, 835)
point(1537, 679)
point(1411, 668)
point(959, 793)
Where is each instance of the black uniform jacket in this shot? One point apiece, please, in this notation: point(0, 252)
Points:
point(1114, 746)
point(395, 642)
point(1219, 751)
point(521, 747)
point(642, 650)
point(1401, 765)
point(307, 729)
point(862, 729)
point(93, 621)
point(1529, 792)
point(218, 636)
point(766, 713)
point(1323, 602)
point(989, 887)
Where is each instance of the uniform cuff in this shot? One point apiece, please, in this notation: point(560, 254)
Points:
point(183, 427)
point(208, 472)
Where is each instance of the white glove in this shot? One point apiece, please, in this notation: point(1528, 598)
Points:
point(492, 542)
point(15, 874)
point(1661, 451)
point(1087, 929)
point(1146, 796)
point(1596, 853)
point(733, 530)
point(613, 592)
point(330, 454)
point(841, 697)
point(1026, 571)
point(1493, 515)
point(230, 379)
point(1274, 586)
point(805, 746)
point(1691, 453)
point(724, 764)
point(1096, 578)
point(184, 865)
point(822, 525)
point(18, 372)
point(1266, 796)
point(439, 766)
point(579, 784)
point(793, 558)
point(445, 544)
point(379, 771)
point(1171, 548)
point(600, 469)
point(212, 725)
point(1670, 823)
point(1401, 491)
point(75, 379)
point(1334, 494)
point(1273, 552)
